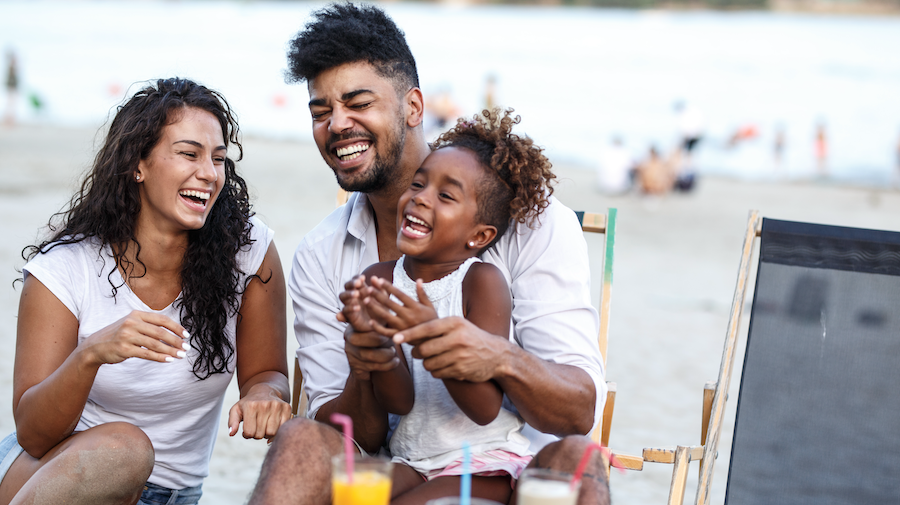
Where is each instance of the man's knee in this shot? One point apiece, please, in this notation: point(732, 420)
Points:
point(564, 456)
point(301, 436)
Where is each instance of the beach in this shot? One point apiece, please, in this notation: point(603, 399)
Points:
point(676, 261)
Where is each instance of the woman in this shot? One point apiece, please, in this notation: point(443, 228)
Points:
point(155, 286)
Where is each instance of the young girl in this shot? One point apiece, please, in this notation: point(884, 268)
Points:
point(479, 179)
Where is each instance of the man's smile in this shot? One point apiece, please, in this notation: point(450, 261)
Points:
point(352, 151)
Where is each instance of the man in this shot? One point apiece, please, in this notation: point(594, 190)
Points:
point(367, 112)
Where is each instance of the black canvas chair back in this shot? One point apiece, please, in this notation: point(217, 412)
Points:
point(818, 415)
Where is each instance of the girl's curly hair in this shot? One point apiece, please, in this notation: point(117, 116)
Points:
point(106, 208)
point(518, 178)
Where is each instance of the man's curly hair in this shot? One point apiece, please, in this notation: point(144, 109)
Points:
point(518, 179)
point(346, 33)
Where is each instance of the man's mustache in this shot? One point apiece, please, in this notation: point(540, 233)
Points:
point(348, 136)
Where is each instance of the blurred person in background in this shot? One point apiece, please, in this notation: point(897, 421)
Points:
point(897, 163)
point(490, 92)
point(690, 130)
point(778, 146)
point(655, 175)
point(820, 149)
point(615, 170)
point(442, 112)
point(12, 88)
point(154, 287)
point(366, 109)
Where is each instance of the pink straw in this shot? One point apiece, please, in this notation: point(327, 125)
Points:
point(579, 470)
point(347, 424)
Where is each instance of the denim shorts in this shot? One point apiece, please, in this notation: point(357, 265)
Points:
point(9, 451)
point(158, 495)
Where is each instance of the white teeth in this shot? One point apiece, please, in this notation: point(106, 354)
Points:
point(410, 229)
point(354, 149)
point(196, 194)
point(415, 220)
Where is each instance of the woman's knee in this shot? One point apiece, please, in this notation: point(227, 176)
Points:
point(119, 450)
point(107, 462)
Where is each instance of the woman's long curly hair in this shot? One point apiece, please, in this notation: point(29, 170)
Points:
point(518, 179)
point(106, 209)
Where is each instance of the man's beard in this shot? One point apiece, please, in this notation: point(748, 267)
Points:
point(380, 175)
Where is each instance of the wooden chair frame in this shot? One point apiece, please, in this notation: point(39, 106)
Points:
point(715, 394)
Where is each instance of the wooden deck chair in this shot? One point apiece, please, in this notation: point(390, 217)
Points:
point(818, 413)
point(606, 224)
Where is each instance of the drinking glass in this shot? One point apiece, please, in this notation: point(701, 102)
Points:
point(371, 483)
point(540, 486)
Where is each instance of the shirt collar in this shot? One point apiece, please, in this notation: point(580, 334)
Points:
point(361, 217)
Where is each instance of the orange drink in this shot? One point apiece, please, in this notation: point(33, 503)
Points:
point(370, 483)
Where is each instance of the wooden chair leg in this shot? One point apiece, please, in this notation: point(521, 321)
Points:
point(679, 475)
point(709, 392)
point(602, 435)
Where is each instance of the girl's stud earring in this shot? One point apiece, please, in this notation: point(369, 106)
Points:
point(471, 244)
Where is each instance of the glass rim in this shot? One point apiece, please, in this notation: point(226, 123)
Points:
point(550, 472)
point(455, 499)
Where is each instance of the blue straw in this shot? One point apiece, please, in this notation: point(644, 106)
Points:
point(465, 487)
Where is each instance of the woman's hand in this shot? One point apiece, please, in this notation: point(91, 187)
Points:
point(397, 316)
point(144, 335)
point(261, 338)
point(262, 411)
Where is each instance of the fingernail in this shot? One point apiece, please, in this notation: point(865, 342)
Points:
point(187, 346)
point(185, 334)
point(170, 359)
point(398, 338)
point(181, 354)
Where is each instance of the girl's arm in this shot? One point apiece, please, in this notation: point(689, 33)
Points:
point(393, 389)
point(487, 304)
point(53, 374)
point(262, 372)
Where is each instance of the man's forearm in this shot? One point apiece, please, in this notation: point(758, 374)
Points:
point(370, 421)
point(553, 398)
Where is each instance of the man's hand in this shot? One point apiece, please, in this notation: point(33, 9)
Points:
point(454, 348)
point(369, 352)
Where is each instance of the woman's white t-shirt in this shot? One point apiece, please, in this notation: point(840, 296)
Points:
point(177, 411)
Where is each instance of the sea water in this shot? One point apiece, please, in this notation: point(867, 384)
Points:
point(578, 76)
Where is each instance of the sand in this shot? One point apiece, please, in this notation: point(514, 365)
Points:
point(676, 261)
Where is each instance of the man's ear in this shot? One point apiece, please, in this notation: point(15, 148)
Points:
point(415, 107)
point(481, 237)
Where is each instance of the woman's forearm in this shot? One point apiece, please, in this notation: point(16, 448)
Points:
point(274, 380)
point(48, 412)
